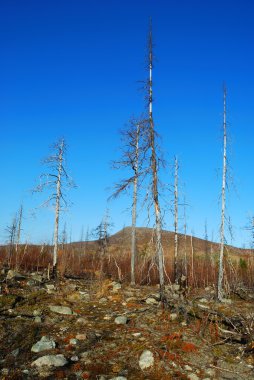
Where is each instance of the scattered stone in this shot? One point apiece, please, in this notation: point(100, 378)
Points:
point(12, 275)
point(103, 300)
point(187, 368)
point(36, 313)
point(227, 301)
point(81, 336)
point(73, 341)
point(210, 372)
point(74, 358)
point(85, 296)
point(121, 320)
point(74, 297)
point(37, 278)
point(136, 335)
point(61, 310)
point(50, 361)
point(151, 301)
point(15, 353)
point(203, 300)
point(50, 287)
point(44, 344)
point(116, 286)
point(204, 307)
point(37, 319)
point(173, 316)
point(193, 376)
point(176, 287)
point(82, 320)
point(146, 360)
point(118, 378)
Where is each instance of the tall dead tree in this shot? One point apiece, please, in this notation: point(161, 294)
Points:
point(223, 201)
point(154, 167)
point(134, 205)
point(176, 274)
point(133, 154)
point(56, 181)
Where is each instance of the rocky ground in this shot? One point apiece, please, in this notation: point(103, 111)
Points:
point(104, 330)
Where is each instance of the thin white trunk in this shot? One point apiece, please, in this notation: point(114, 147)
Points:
point(185, 243)
point(192, 260)
point(176, 274)
point(134, 208)
point(18, 236)
point(223, 202)
point(154, 165)
point(57, 207)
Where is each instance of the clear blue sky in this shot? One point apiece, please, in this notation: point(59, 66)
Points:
point(71, 68)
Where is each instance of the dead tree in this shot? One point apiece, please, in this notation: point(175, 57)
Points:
point(133, 154)
point(56, 181)
point(19, 224)
point(11, 238)
point(185, 241)
point(176, 274)
point(223, 202)
point(102, 234)
point(154, 167)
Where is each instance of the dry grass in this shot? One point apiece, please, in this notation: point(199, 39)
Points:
point(85, 260)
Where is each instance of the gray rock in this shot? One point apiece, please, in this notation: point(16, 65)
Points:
point(37, 319)
point(118, 378)
point(50, 361)
point(73, 341)
point(44, 344)
point(227, 301)
point(50, 287)
point(151, 301)
point(61, 310)
point(146, 359)
point(176, 287)
point(85, 296)
point(173, 316)
point(121, 320)
point(36, 313)
point(37, 278)
point(12, 275)
point(74, 358)
point(210, 372)
point(116, 286)
point(82, 320)
point(193, 376)
point(203, 300)
point(103, 300)
point(15, 353)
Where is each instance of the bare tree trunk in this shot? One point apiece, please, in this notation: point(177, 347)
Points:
point(134, 208)
point(57, 208)
point(223, 203)
point(154, 166)
point(20, 214)
point(192, 260)
point(185, 244)
point(176, 274)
